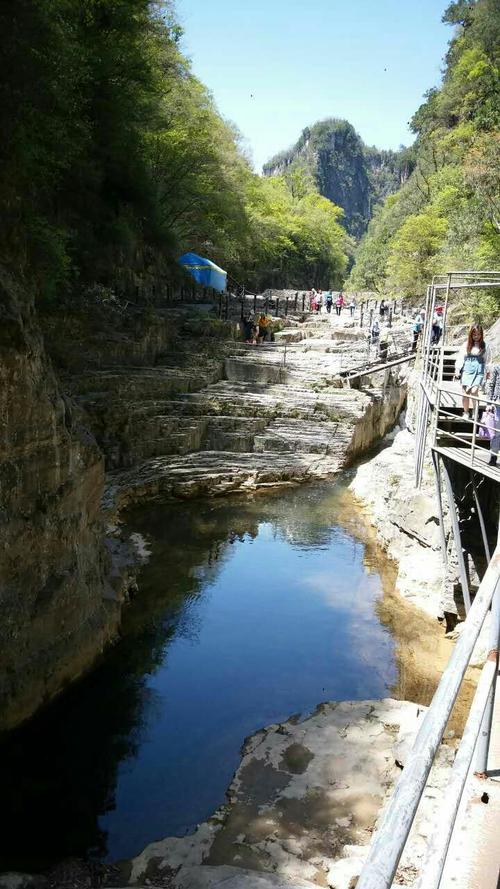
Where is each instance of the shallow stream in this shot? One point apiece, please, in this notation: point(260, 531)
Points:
point(250, 609)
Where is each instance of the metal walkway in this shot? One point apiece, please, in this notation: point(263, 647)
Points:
point(455, 439)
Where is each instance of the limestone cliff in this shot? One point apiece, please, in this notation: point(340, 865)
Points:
point(55, 615)
point(173, 410)
point(352, 175)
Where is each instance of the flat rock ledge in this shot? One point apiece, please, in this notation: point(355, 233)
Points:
point(303, 804)
point(213, 473)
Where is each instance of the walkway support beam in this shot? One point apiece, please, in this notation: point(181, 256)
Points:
point(456, 537)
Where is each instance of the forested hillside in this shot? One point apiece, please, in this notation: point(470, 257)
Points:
point(114, 160)
point(447, 215)
point(355, 176)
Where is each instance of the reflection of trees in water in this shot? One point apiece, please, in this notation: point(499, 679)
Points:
point(58, 774)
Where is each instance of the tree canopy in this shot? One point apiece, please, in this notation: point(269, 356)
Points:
point(114, 160)
point(447, 215)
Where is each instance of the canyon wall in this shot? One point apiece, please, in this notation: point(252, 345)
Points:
point(58, 608)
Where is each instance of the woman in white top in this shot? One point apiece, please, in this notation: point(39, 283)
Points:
point(472, 366)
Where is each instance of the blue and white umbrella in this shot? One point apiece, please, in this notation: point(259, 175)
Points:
point(204, 271)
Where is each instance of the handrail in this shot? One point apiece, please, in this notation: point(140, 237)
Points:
point(440, 835)
point(390, 839)
point(477, 423)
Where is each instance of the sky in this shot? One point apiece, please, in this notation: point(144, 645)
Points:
point(277, 66)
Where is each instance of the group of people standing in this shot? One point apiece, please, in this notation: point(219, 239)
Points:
point(318, 299)
point(436, 326)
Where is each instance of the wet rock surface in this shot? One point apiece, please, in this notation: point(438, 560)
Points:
point(303, 804)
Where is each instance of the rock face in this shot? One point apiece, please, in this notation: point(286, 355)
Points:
point(406, 522)
point(167, 414)
point(277, 417)
point(347, 172)
point(56, 617)
point(303, 803)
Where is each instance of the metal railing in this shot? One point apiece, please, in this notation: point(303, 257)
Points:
point(438, 292)
point(469, 440)
point(390, 839)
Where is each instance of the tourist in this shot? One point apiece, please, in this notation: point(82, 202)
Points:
point(374, 332)
point(319, 301)
point(312, 300)
point(437, 327)
point(249, 329)
point(329, 301)
point(352, 306)
point(417, 330)
point(472, 366)
point(493, 395)
point(263, 328)
point(381, 309)
point(339, 303)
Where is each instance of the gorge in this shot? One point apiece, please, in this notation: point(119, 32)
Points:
point(225, 607)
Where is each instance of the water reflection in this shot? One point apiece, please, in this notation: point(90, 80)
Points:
point(250, 609)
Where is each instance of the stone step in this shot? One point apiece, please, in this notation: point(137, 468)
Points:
point(142, 383)
point(295, 436)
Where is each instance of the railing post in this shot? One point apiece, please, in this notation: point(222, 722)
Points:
point(277, 309)
point(474, 431)
point(286, 306)
point(303, 301)
point(437, 476)
point(390, 317)
point(456, 537)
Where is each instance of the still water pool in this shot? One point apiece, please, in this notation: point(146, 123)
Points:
point(250, 610)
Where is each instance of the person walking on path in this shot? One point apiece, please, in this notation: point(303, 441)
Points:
point(437, 326)
point(381, 309)
point(472, 366)
point(352, 306)
point(264, 328)
point(339, 303)
point(329, 301)
point(417, 330)
point(493, 395)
